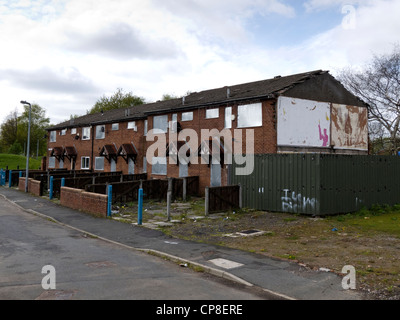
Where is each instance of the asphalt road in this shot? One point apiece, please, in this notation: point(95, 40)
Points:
point(92, 269)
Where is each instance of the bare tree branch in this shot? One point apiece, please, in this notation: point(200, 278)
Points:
point(379, 86)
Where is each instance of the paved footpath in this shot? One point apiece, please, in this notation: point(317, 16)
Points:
point(287, 280)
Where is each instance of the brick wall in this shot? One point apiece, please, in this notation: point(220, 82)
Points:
point(34, 186)
point(265, 139)
point(91, 148)
point(92, 203)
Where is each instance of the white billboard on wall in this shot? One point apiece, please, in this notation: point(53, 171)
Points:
point(349, 127)
point(303, 123)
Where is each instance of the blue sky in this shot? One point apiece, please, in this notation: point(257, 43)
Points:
point(275, 30)
point(65, 54)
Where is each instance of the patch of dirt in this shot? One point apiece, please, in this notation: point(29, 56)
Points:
point(312, 242)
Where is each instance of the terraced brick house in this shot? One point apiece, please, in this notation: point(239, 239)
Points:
point(303, 113)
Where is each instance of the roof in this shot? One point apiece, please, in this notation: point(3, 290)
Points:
point(258, 89)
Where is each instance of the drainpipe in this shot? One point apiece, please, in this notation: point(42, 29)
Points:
point(91, 158)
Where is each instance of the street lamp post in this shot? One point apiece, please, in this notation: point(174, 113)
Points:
point(28, 146)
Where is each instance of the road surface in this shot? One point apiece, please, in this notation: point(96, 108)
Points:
point(85, 268)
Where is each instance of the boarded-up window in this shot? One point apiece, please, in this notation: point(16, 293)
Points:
point(212, 113)
point(187, 116)
point(132, 125)
point(52, 162)
point(99, 163)
point(100, 132)
point(228, 117)
point(249, 115)
point(86, 133)
point(53, 136)
point(159, 165)
point(160, 124)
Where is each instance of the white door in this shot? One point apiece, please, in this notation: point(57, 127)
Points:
point(215, 174)
point(183, 168)
point(131, 166)
point(113, 165)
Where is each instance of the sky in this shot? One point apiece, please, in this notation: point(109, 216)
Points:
point(66, 54)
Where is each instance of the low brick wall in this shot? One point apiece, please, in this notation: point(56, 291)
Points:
point(34, 186)
point(92, 203)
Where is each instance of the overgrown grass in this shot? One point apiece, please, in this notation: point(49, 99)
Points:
point(14, 161)
point(375, 219)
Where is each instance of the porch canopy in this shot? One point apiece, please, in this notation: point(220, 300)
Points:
point(127, 151)
point(109, 151)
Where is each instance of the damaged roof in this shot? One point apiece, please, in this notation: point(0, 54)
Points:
point(259, 89)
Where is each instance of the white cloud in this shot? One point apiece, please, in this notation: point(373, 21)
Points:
point(64, 55)
point(316, 5)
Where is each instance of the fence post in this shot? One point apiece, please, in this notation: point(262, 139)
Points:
point(207, 201)
point(1, 177)
point(169, 198)
point(51, 188)
point(10, 178)
point(109, 200)
point(140, 206)
point(240, 196)
point(184, 189)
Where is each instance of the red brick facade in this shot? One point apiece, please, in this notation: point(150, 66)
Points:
point(264, 141)
point(253, 112)
point(92, 147)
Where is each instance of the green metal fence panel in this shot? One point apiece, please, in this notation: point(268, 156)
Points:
point(354, 182)
point(317, 184)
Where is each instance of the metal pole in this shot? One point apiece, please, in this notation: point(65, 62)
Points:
point(10, 178)
point(240, 196)
point(28, 146)
point(51, 188)
point(109, 203)
point(140, 206)
point(184, 189)
point(207, 201)
point(169, 199)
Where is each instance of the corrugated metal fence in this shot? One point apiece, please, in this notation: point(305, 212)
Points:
point(318, 184)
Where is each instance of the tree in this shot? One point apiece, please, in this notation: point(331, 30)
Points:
point(15, 148)
point(9, 130)
point(379, 86)
point(118, 100)
point(168, 96)
point(39, 123)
